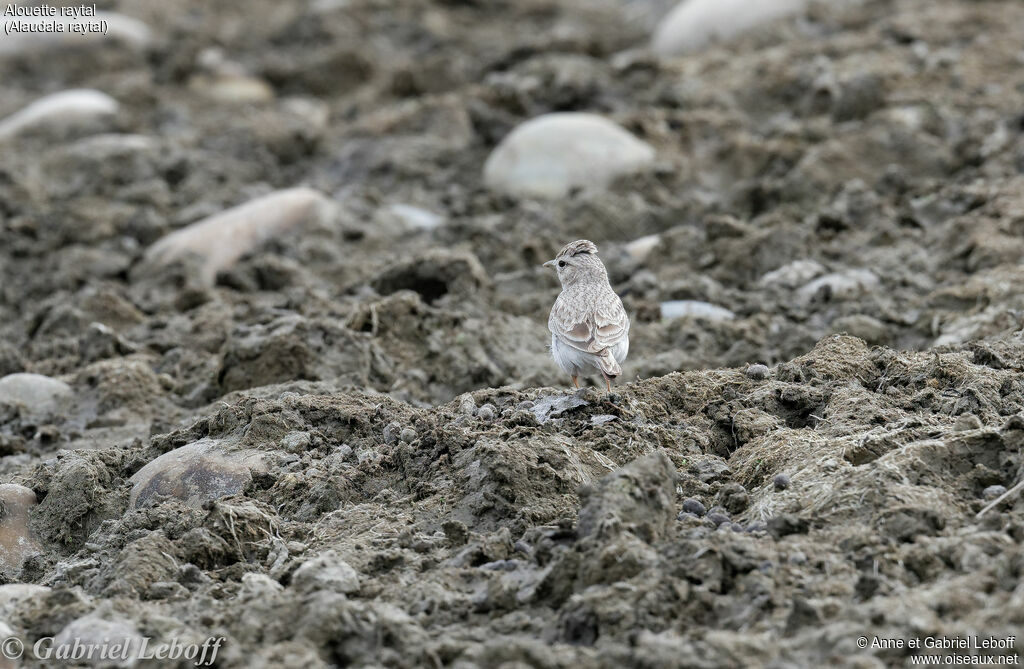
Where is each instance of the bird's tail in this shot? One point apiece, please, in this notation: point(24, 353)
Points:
point(608, 363)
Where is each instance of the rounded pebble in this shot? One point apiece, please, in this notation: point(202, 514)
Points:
point(718, 518)
point(758, 372)
point(993, 491)
point(486, 412)
point(694, 506)
point(781, 481)
point(408, 435)
point(467, 406)
point(326, 571)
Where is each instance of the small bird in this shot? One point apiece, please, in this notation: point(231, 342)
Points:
point(589, 326)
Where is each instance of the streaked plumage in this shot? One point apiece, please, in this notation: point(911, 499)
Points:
point(589, 326)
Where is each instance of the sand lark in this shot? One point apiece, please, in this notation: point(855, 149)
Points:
point(589, 326)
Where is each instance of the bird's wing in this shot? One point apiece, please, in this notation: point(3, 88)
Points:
point(594, 329)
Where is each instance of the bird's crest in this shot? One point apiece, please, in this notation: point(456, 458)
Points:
point(577, 247)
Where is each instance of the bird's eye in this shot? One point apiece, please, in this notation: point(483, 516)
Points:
point(561, 263)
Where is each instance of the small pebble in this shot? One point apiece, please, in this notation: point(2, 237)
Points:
point(757, 526)
point(466, 405)
point(733, 497)
point(521, 547)
point(758, 372)
point(967, 422)
point(686, 514)
point(408, 435)
point(718, 518)
point(695, 308)
point(391, 432)
point(781, 481)
point(486, 412)
point(993, 491)
point(694, 506)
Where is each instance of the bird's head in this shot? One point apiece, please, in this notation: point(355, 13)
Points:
point(578, 261)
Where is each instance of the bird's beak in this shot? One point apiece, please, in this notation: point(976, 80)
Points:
point(550, 263)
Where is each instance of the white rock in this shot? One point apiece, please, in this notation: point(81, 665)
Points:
point(120, 28)
point(38, 394)
point(16, 540)
point(232, 89)
point(326, 571)
point(316, 113)
point(640, 248)
point(13, 594)
point(79, 108)
point(793, 274)
point(415, 218)
point(694, 24)
point(974, 326)
point(113, 144)
point(841, 285)
point(549, 156)
point(92, 630)
point(223, 238)
point(256, 586)
point(201, 471)
point(696, 308)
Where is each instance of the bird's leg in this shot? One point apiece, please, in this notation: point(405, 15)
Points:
point(607, 382)
point(575, 382)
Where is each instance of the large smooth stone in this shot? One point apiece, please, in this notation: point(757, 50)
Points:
point(223, 238)
point(201, 471)
point(78, 109)
point(36, 393)
point(553, 154)
point(694, 24)
point(121, 29)
point(16, 542)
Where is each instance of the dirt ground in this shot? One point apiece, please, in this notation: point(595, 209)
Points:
point(352, 448)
